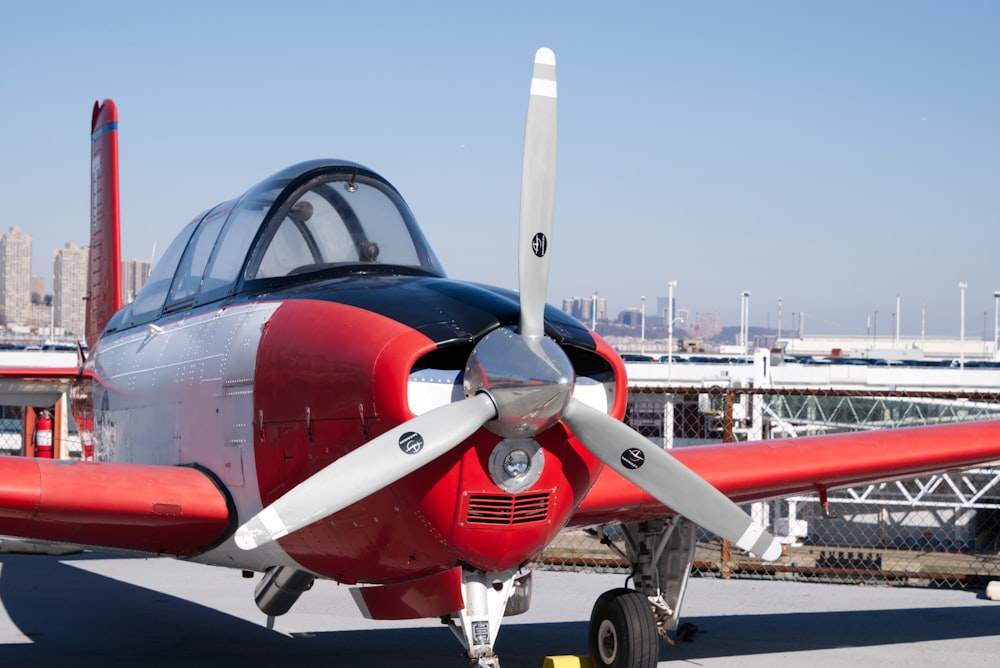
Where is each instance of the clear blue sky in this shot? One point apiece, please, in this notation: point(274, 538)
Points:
point(832, 154)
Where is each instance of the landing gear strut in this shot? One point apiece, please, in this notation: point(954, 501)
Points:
point(489, 597)
point(625, 623)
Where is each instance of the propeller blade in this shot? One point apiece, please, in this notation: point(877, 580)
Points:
point(667, 480)
point(538, 194)
point(369, 468)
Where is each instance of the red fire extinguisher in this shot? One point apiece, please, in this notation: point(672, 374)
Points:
point(43, 435)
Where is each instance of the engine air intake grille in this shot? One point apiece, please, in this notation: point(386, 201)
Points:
point(508, 509)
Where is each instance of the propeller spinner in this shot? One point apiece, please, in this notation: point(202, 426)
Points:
point(517, 384)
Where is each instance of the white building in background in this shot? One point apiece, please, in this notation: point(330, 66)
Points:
point(69, 288)
point(37, 289)
point(134, 275)
point(15, 277)
point(889, 347)
point(583, 308)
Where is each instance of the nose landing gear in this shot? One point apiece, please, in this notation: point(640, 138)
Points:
point(489, 597)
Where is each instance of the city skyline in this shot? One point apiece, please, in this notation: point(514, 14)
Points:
point(779, 319)
point(26, 304)
point(136, 270)
point(727, 146)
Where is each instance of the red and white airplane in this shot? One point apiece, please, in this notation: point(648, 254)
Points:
point(299, 390)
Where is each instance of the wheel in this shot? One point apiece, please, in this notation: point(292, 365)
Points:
point(623, 631)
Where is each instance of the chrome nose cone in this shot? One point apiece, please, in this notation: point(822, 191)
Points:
point(529, 378)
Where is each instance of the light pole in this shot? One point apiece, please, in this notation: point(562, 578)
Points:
point(923, 326)
point(996, 322)
point(670, 322)
point(642, 338)
point(777, 339)
point(961, 327)
point(897, 318)
point(745, 320)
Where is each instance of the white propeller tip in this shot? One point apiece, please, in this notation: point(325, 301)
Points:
point(773, 551)
point(545, 56)
point(263, 528)
point(245, 539)
point(754, 538)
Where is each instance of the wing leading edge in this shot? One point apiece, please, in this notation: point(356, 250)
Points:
point(178, 511)
point(769, 469)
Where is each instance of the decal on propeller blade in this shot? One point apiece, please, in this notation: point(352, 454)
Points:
point(539, 244)
point(411, 442)
point(633, 458)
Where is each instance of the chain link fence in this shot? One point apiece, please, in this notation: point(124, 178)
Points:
point(11, 427)
point(942, 529)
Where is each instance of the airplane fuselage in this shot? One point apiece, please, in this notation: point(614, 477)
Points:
point(272, 381)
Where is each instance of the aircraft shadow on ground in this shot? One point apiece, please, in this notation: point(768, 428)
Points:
point(750, 634)
point(62, 613)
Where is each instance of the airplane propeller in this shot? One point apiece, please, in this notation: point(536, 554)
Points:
point(399, 451)
point(538, 195)
point(673, 484)
point(517, 384)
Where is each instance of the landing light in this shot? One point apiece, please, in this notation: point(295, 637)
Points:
point(516, 464)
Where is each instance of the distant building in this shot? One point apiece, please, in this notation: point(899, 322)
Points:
point(37, 289)
point(631, 317)
point(41, 317)
point(706, 325)
point(69, 288)
point(15, 277)
point(574, 306)
point(601, 304)
point(663, 307)
point(134, 275)
point(692, 346)
point(582, 308)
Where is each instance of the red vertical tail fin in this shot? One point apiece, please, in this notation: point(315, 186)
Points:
point(104, 291)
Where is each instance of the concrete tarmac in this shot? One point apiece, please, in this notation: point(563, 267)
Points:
point(95, 610)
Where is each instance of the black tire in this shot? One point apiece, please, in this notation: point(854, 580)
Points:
point(623, 631)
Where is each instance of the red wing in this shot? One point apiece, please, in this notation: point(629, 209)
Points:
point(775, 468)
point(155, 509)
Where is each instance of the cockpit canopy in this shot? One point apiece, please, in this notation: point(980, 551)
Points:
point(316, 219)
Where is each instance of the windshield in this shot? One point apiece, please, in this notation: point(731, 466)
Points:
point(340, 220)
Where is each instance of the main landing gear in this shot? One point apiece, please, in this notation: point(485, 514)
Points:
point(625, 623)
point(623, 631)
